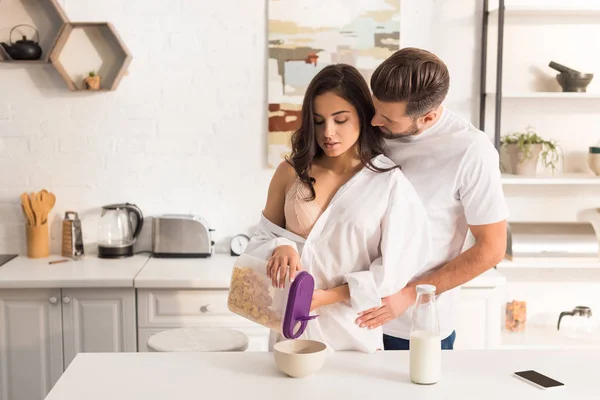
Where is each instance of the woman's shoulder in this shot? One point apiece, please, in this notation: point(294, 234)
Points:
point(285, 174)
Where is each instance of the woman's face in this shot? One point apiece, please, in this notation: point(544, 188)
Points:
point(337, 124)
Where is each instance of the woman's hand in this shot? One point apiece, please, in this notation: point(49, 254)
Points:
point(282, 258)
point(330, 296)
point(320, 298)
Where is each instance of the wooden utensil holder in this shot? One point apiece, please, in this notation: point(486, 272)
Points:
point(38, 241)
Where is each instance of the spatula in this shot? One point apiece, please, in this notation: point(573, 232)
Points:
point(48, 201)
point(38, 209)
point(27, 210)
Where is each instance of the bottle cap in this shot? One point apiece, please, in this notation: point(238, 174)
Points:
point(425, 289)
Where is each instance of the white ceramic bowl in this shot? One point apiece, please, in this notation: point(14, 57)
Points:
point(300, 358)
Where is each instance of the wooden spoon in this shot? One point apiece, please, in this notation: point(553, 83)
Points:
point(38, 209)
point(27, 210)
point(41, 215)
point(48, 200)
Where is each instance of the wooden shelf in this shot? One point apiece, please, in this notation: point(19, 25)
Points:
point(44, 15)
point(548, 95)
point(90, 46)
point(4, 57)
point(559, 179)
point(532, 10)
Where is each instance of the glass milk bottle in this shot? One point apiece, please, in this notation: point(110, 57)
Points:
point(425, 342)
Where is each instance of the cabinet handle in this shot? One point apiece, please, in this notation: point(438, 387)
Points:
point(66, 299)
point(207, 308)
point(53, 300)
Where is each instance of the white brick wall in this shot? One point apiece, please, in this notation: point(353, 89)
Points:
point(186, 130)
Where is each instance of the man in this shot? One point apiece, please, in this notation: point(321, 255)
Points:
point(454, 168)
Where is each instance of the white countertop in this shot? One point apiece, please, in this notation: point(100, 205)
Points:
point(215, 273)
point(478, 374)
point(489, 279)
point(548, 338)
point(550, 262)
point(141, 271)
point(89, 271)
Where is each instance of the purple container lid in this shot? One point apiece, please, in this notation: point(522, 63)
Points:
point(298, 305)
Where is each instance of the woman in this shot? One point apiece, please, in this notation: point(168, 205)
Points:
point(341, 210)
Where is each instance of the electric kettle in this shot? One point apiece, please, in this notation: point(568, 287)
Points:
point(578, 325)
point(118, 231)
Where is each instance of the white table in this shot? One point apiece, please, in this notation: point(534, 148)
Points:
point(485, 374)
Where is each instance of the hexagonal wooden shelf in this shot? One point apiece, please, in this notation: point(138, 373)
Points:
point(85, 47)
point(46, 16)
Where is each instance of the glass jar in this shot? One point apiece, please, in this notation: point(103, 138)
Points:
point(252, 296)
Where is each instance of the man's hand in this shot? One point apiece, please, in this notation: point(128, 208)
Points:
point(392, 307)
point(282, 257)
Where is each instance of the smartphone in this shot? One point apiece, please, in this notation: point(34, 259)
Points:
point(539, 380)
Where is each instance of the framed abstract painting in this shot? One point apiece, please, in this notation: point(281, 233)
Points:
point(307, 35)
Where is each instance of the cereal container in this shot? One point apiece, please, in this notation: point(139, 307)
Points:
point(252, 296)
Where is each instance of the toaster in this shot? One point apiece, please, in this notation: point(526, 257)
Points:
point(181, 236)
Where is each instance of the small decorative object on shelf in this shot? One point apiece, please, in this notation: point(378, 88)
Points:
point(92, 81)
point(594, 159)
point(571, 80)
point(516, 316)
point(525, 148)
point(23, 49)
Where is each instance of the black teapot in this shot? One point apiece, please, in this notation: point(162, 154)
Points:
point(23, 49)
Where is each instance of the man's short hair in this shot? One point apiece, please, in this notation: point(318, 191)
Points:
point(415, 76)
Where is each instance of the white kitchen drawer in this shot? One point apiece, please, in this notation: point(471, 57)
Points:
point(176, 308)
point(258, 338)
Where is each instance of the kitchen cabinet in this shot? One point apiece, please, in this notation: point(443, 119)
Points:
point(193, 292)
point(98, 321)
point(41, 331)
point(31, 345)
point(479, 318)
point(161, 309)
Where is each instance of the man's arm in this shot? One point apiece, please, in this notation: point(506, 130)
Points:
point(488, 250)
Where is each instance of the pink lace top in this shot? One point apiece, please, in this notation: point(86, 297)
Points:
point(300, 214)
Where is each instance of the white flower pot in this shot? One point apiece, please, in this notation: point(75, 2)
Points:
point(521, 166)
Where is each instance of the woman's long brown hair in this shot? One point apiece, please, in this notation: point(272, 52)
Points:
point(345, 81)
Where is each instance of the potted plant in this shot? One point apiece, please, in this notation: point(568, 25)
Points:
point(525, 148)
point(92, 81)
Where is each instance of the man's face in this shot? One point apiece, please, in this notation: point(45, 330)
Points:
point(391, 118)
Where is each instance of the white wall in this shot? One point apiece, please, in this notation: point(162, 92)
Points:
point(186, 130)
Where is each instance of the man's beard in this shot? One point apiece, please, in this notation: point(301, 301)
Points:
point(413, 130)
